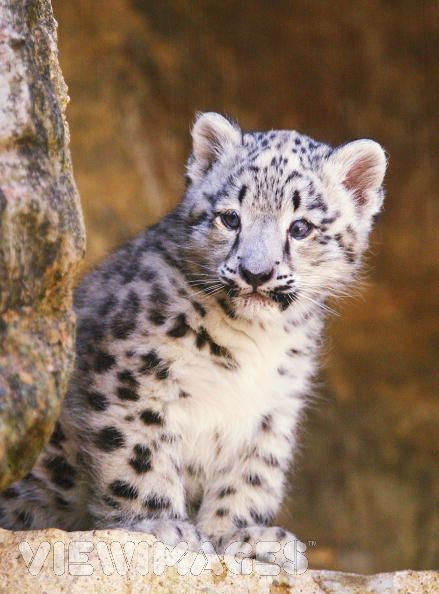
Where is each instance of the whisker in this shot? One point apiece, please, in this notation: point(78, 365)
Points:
point(322, 306)
point(206, 291)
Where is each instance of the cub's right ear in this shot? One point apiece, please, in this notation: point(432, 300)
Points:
point(212, 136)
point(361, 166)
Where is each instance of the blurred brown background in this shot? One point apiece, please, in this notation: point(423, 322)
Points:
point(366, 484)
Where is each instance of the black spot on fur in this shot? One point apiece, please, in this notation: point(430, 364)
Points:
point(195, 505)
point(296, 199)
point(62, 473)
point(293, 175)
point(179, 531)
point(127, 377)
point(25, 518)
point(253, 479)
point(347, 250)
point(111, 502)
point(260, 519)
point(107, 305)
point(227, 308)
point(103, 362)
point(61, 502)
point(283, 299)
point(220, 351)
point(168, 438)
point(199, 308)
point(57, 436)
point(90, 331)
point(293, 352)
point(266, 423)
point(124, 320)
point(183, 394)
point(199, 219)
point(327, 220)
point(124, 490)
point(280, 534)
point(156, 503)
point(240, 522)
point(129, 270)
point(202, 338)
point(222, 512)
point(126, 393)
point(97, 400)
point(162, 373)
point(147, 275)
point(141, 461)
point(151, 417)
point(149, 362)
point(192, 470)
point(318, 204)
point(180, 327)
point(109, 439)
point(10, 493)
point(225, 491)
point(159, 302)
point(157, 317)
point(242, 193)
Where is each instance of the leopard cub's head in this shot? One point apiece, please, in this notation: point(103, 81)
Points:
point(275, 219)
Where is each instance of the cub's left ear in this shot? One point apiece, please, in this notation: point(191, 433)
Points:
point(212, 136)
point(360, 166)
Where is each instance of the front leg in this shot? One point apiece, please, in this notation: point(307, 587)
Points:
point(137, 478)
point(245, 494)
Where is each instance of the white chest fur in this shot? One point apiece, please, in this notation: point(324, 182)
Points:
point(228, 404)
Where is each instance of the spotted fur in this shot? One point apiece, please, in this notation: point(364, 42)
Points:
point(197, 343)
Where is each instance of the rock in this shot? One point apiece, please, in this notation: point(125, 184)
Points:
point(55, 561)
point(42, 235)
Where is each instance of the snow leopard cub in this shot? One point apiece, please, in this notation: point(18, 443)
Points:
point(197, 343)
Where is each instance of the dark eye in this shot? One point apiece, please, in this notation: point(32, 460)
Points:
point(300, 229)
point(230, 219)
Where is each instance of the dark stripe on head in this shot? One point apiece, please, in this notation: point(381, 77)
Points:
point(199, 220)
point(242, 193)
point(293, 175)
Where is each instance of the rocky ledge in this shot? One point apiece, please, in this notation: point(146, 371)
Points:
point(115, 561)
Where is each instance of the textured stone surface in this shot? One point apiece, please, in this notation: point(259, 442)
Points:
point(41, 234)
point(335, 70)
point(50, 561)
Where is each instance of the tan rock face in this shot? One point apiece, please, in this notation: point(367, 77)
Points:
point(41, 235)
point(114, 561)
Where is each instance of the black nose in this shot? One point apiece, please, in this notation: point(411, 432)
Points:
point(255, 280)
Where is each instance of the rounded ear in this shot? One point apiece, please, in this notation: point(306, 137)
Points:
point(212, 135)
point(361, 166)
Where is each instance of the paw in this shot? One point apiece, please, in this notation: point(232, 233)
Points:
point(174, 532)
point(269, 545)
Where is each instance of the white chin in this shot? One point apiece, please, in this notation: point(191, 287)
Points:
point(253, 306)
